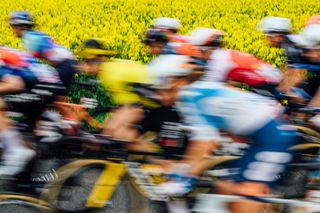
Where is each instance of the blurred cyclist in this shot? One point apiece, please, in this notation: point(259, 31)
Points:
point(278, 31)
point(42, 46)
point(230, 65)
point(26, 86)
point(117, 77)
point(162, 37)
point(309, 40)
point(170, 26)
point(207, 108)
point(157, 41)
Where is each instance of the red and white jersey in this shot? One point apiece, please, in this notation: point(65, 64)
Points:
point(178, 38)
point(241, 67)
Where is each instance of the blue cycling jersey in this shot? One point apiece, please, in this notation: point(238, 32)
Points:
point(309, 67)
point(42, 46)
point(14, 62)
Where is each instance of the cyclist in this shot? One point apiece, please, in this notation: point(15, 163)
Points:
point(118, 78)
point(162, 37)
point(26, 86)
point(170, 26)
point(42, 46)
point(309, 40)
point(157, 41)
point(278, 31)
point(207, 108)
point(230, 65)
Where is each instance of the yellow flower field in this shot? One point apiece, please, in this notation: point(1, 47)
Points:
point(122, 23)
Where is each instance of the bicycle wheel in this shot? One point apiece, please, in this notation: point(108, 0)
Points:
point(75, 192)
point(24, 204)
point(294, 183)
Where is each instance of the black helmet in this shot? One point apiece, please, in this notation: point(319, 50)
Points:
point(94, 47)
point(155, 35)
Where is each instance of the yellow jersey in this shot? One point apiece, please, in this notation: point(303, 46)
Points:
point(116, 77)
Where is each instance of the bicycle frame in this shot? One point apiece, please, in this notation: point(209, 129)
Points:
point(112, 173)
point(103, 189)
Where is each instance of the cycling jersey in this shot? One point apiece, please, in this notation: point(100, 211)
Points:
point(42, 46)
point(172, 137)
point(241, 67)
point(181, 48)
point(178, 38)
point(117, 76)
point(14, 62)
point(41, 81)
point(208, 108)
point(293, 53)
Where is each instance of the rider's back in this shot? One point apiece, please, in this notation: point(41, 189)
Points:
point(42, 46)
point(117, 76)
point(225, 64)
point(207, 106)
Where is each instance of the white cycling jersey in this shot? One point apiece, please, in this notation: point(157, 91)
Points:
point(208, 107)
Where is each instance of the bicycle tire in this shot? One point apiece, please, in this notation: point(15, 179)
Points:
point(82, 183)
point(24, 204)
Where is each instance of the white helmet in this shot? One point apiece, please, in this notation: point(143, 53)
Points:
point(166, 23)
point(166, 66)
point(309, 37)
point(206, 37)
point(275, 24)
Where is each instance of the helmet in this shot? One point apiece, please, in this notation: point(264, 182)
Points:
point(206, 37)
point(166, 23)
point(166, 66)
point(313, 20)
point(155, 35)
point(20, 18)
point(92, 48)
point(308, 38)
point(274, 24)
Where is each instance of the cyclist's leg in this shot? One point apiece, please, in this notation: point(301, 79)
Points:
point(261, 166)
point(246, 189)
point(119, 124)
point(15, 153)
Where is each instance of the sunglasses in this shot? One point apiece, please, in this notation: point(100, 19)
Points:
point(272, 35)
point(92, 61)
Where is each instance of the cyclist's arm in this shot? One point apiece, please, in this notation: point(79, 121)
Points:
point(11, 83)
point(315, 101)
point(203, 135)
point(293, 76)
